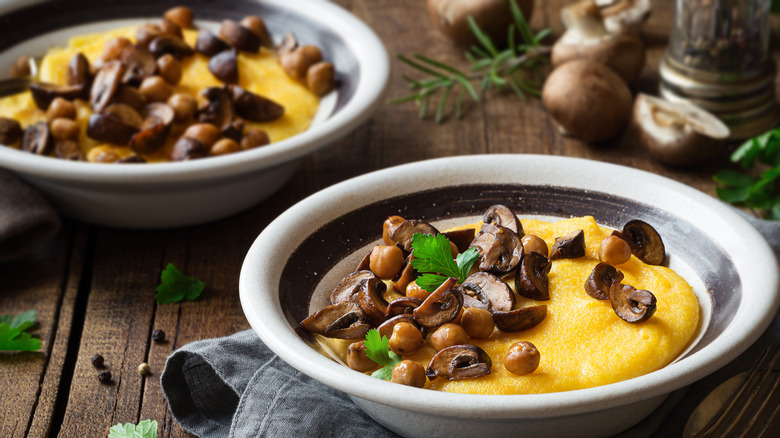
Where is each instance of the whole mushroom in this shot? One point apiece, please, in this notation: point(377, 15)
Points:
point(588, 100)
point(492, 16)
point(624, 14)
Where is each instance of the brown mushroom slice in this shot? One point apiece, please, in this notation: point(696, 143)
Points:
point(631, 304)
point(224, 66)
point(130, 96)
point(403, 305)
point(154, 130)
point(365, 263)
point(459, 362)
point(209, 44)
point(500, 249)
point(44, 93)
point(461, 238)
point(37, 139)
point(219, 109)
point(10, 131)
point(486, 291)
point(569, 246)
point(408, 275)
point(168, 44)
point(518, 320)
point(349, 286)
point(600, 281)
point(441, 306)
point(370, 299)
point(344, 320)
point(386, 328)
point(531, 277)
point(69, 150)
point(234, 130)
point(139, 63)
point(254, 107)
point(79, 74)
point(502, 215)
point(187, 148)
point(403, 233)
point(239, 36)
point(644, 240)
point(117, 125)
point(288, 44)
point(105, 85)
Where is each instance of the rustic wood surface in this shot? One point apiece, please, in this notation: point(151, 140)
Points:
point(93, 287)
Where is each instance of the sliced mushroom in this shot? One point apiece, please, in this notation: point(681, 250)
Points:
point(131, 159)
point(630, 304)
point(386, 328)
point(224, 66)
point(569, 246)
point(408, 275)
point(105, 85)
point(370, 299)
point(146, 33)
point(620, 15)
point(365, 263)
point(154, 129)
point(486, 291)
point(349, 286)
point(130, 96)
point(209, 44)
point(139, 63)
point(69, 150)
point(254, 107)
point(441, 306)
point(600, 281)
point(644, 240)
point(239, 36)
point(234, 130)
point(502, 215)
point(79, 74)
point(343, 320)
point(288, 44)
point(403, 233)
point(500, 249)
point(531, 277)
point(219, 109)
point(172, 45)
point(459, 362)
point(461, 238)
point(520, 319)
point(37, 139)
point(10, 131)
point(403, 305)
point(187, 148)
point(116, 125)
point(44, 93)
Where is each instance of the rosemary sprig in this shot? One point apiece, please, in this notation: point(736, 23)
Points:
point(516, 68)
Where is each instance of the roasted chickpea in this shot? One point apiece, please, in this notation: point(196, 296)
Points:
point(313, 53)
point(522, 358)
point(415, 291)
point(224, 146)
point(106, 157)
point(21, 67)
point(113, 48)
point(447, 335)
point(64, 129)
point(319, 78)
point(478, 323)
point(406, 339)
point(169, 68)
point(386, 261)
point(535, 244)
point(410, 373)
point(257, 26)
point(184, 107)
point(155, 89)
point(205, 133)
point(614, 250)
point(168, 27)
point(61, 108)
point(357, 358)
point(389, 224)
point(181, 15)
point(254, 138)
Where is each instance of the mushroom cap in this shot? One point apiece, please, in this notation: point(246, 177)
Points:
point(457, 362)
point(569, 246)
point(644, 241)
point(676, 132)
point(625, 14)
point(601, 279)
point(630, 304)
point(531, 279)
point(349, 286)
point(492, 16)
point(504, 216)
point(500, 249)
point(486, 291)
point(520, 319)
point(623, 52)
point(441, 306)
point(588, 100)
point(343, 320)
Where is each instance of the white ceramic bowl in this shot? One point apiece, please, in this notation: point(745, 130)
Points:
point(294, 263)
point(175, 194)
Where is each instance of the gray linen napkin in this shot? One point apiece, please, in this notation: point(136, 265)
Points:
point(235, 386)
point(26, 218)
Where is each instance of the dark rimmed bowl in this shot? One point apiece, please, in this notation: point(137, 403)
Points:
point(297, 259)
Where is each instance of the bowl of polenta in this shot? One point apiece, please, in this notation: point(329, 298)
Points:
point(503, 295)
point(141, 114)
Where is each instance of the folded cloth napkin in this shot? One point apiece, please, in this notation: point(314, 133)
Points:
point(26, 218)
point(235, 386)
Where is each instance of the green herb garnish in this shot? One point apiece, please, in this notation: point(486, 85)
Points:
point(433, 259)
point(516, 67)
point(378, 350)
point(176, 286)
point(14, 335)
point(144, 429)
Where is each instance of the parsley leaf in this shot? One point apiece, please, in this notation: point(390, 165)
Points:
point(176, 286)
point(378, 350)
point(13, 332)
point(144, 429)
point(432, 256)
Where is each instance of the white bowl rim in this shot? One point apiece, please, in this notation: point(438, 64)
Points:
point(756, 258)
point(374, 78)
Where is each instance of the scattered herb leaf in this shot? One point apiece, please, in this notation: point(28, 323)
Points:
point(144, 429)
point(433, 259)
point(14, 335)
point(378, 350)
point(176, 286)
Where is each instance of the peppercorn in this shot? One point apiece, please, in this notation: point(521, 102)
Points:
point(144, 369)
point(97, 361)
point(104, 377)
point(158, 335)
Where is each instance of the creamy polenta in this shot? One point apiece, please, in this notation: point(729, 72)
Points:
point(583, 343)
point(260, 73)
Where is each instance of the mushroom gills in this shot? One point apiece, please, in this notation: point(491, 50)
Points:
point(520, 319)
point(441, 306)
point(500, 249)
point(600, 281)
point(631, 304)
point(644, 241)
point(459, 362)
point(344, 320)
point(486, 291)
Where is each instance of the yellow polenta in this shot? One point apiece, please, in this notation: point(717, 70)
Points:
point(259, 73)
point(582, 342)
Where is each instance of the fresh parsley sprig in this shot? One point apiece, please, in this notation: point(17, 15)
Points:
point(378, 350)
point(176, 286)
point(14, 335)
point(433, 259)
point(144, 429)
point(517, 67)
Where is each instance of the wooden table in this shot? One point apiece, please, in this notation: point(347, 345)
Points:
point(93, 287)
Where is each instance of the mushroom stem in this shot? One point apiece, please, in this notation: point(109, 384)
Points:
point(584, 19)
